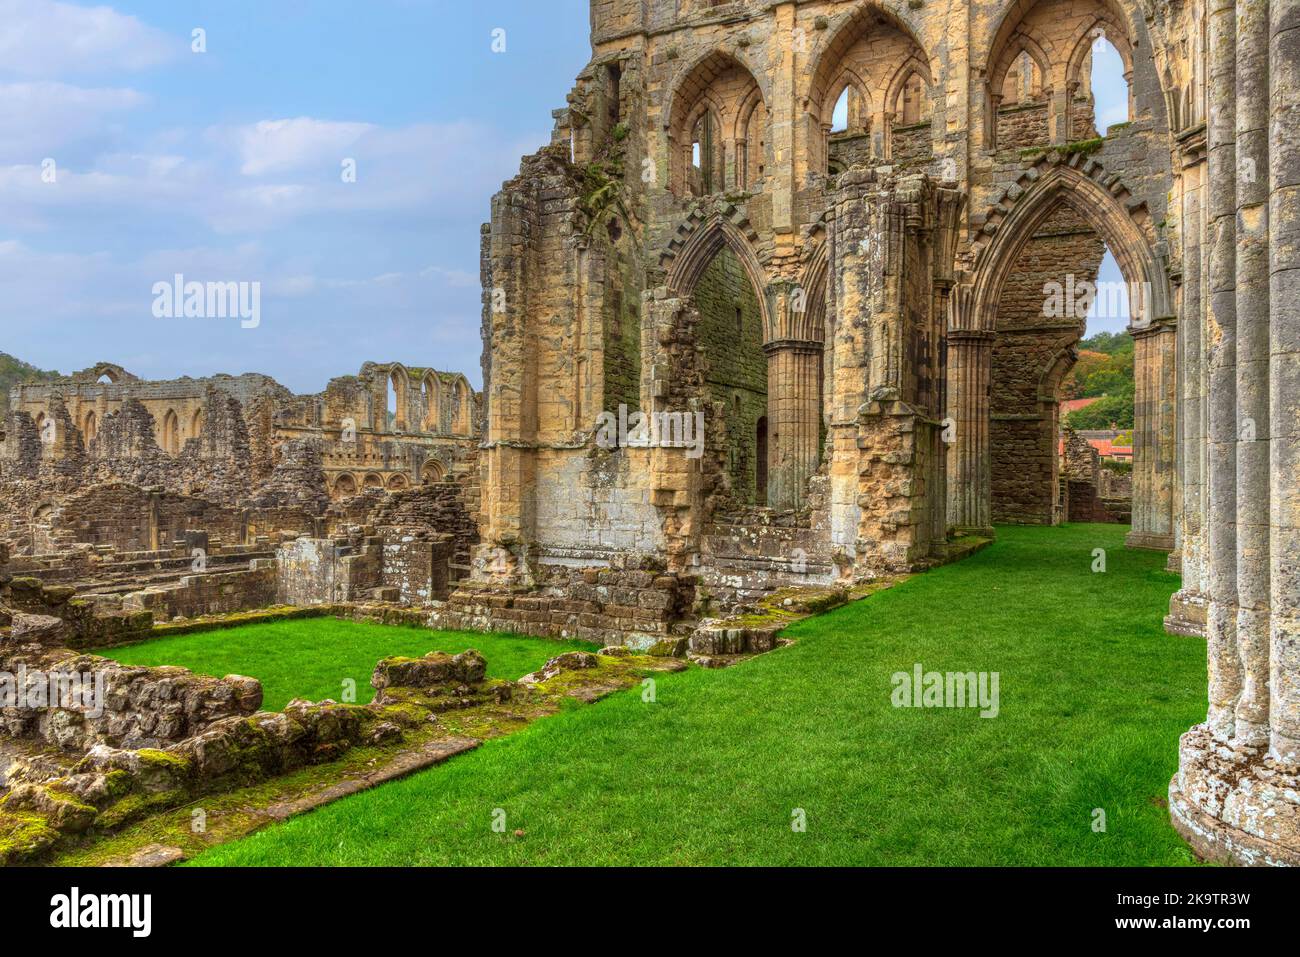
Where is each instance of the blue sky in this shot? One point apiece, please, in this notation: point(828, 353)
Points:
point(226, 166)
point(126, 157)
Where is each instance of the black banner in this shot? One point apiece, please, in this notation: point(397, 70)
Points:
point(194, 906)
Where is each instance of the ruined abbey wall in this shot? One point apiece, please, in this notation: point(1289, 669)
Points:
point(898, 254)
point(702, 142)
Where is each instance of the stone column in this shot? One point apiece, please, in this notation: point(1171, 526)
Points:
point(1252, 367)
point(1284, 391)
point(970, 356)
point(1153, 435)
point(781, 118)
point(794, 415)
point(1187, 606)
point(1221, 355)
point(507, 462)
point(1235, 794)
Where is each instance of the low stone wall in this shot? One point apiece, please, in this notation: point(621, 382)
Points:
point(216, 593)
point(632, 606)
point(416, 562)
point(75, 701)
point(439, 507)
point(90, 623)
point(754, 555)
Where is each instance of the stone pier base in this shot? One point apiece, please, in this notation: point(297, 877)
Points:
point(1156, 542)
point(1235, 806)
point(1187, 613)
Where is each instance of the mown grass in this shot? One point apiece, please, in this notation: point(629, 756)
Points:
point(313, 657)
point(1093, 698)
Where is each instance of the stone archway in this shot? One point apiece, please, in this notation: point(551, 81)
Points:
point(1083, 187)
point(719, 282)
point(345, 486)
point(716, 127)
point(873, 54)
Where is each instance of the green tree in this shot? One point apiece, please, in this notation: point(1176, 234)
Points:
point(15, 372)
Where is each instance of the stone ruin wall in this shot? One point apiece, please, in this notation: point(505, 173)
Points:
point(567, 283)
point(108, 530)
point(1089, 491)
point(130, 464)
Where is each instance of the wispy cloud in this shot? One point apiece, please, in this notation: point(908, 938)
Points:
point(43, 38)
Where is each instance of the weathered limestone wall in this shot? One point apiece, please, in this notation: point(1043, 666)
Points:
point(216, 593)
point(327, 571)
point(637, 604)
point(415, 563)
point(440, 507)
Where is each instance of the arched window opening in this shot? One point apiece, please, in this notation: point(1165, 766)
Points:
point(840, 115)
point(1108, 84)
point(704, 156)
point(429, 403)
point(390, 405)
point(461, 424)
point(345, 486)
point(865, 55)
point(1024, 82)
point(88, 428)
point(717, 127)
point(911, 97)
point(1021, 108)
point(171, 433)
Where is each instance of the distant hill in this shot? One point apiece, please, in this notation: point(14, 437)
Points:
point(14, 372)
point(1105, 372)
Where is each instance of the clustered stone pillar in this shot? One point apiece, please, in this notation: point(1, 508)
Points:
point(1236, 795)
point(1187, 607)
point(794, 415)
point(970, 354)
point(1154, 446)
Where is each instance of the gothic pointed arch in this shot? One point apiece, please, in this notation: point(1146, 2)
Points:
point(699, 241)
point(862, 50)
point(1100, 199)
point(716, 121)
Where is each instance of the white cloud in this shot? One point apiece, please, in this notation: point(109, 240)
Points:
point(43, 38)
point(278, 146)
point(38, 118)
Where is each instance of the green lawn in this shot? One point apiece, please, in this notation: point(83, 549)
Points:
point(312, 657)
point(1093, 698)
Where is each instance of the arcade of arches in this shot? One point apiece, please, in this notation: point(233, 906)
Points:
point(834, 243)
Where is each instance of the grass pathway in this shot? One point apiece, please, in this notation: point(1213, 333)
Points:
point(1093, 696)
